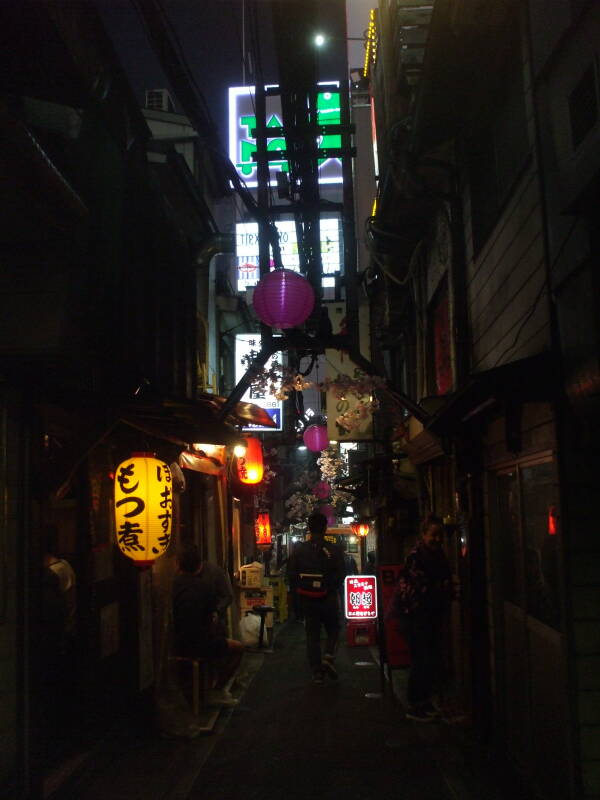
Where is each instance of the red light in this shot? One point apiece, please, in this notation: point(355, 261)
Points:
point(552, 519)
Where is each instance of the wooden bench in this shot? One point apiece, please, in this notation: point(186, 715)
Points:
point(201, 675)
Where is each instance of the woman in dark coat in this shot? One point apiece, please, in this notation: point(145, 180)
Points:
point(422, 600)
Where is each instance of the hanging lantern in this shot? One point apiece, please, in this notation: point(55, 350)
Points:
point(262, 531)
point(250, 465)
point(283, 299)
point(360, 529)
point(328, 512)
point(321, 490)
point(143, 507)
point(315, 438)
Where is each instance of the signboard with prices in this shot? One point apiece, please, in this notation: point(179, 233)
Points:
point(360, 597)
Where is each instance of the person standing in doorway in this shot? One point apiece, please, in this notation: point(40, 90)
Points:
point(198, 599)
point(317, 571)
point(421, 604)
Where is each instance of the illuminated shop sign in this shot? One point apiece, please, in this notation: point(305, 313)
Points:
point(360, 593)
point(247, 345)
point(242, 144)
point(247, 249)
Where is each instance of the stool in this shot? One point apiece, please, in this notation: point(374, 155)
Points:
point(262, 612)
point(200, 670)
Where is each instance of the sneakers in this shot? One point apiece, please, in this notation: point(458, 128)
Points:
point(222, 698)
point(317, 677)
point(329, 668)
point(419, 715)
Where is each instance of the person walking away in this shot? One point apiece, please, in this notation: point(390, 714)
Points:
point(317, 571)
point(198, 596)
point(421, 604)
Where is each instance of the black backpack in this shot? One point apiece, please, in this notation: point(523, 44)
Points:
point(315, 565)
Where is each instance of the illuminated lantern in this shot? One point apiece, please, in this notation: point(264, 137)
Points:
point(262, 530)
point(321, 490)
point(283, 299)
point(328, 512)
point(143, 507)
point(360, 529)
point(315, 438)
point(250, 465)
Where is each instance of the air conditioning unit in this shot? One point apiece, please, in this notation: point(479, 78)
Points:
point(159, 100)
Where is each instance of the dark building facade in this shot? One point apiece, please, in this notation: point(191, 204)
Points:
point(484, 248)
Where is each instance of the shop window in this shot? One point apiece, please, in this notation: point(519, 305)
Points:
point(538, 493)
point(507, 489)
point(526, 535)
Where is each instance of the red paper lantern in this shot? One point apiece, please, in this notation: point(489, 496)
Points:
point(316, 438)
point(250, 465)
point(360, 529)
point(283, 299)
point(262, 530)
point(321, 490)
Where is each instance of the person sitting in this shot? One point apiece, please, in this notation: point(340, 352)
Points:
point(198, 632)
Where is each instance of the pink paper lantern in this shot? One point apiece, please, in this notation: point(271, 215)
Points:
point(316, 438)
point(321, 490)
point(328, 512)
point(283, 299)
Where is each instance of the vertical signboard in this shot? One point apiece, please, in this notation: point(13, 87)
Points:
point(360, 597)
point(247, 345)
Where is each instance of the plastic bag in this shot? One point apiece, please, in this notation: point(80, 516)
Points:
point(250, 630)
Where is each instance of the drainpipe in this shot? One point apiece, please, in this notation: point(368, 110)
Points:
point(216, 244)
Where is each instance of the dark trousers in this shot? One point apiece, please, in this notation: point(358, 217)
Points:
point(316, 613)
point(424, 634)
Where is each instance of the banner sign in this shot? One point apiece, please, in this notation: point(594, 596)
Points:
point(242, 144)
point(360, 597)
point(247, 345)
point(246, 238)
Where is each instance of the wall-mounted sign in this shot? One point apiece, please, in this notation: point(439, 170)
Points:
point(360, 596)
point(246, 236)
point(247, 345)
point(242, 144)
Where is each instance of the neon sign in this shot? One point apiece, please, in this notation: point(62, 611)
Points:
point(242, 144)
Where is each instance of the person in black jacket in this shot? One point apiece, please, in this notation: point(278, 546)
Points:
point(421, 604)
point(317, 571)
point(201, 593)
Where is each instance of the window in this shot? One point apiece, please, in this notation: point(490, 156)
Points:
point(526, 540)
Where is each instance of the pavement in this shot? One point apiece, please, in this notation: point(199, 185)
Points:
point(291, 738)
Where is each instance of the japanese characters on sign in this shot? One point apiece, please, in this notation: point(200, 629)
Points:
point(360, 596)
point(143, 507)
point(247, 345)
point(246, 234)
point(242, 142)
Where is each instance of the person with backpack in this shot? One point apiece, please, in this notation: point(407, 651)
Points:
point(316, 569)
point(420, 604)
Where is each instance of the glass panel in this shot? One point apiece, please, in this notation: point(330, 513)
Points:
point(508, 536)
point(539, 493)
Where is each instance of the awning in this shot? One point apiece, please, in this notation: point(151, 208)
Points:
point(243, 414)
point(527, 380)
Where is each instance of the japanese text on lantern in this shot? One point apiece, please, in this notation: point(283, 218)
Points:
point(143, 507)
point(360, 593)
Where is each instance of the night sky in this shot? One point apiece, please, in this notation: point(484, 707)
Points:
point(210, 35)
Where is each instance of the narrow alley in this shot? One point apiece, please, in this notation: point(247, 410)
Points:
point(291, 738)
